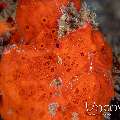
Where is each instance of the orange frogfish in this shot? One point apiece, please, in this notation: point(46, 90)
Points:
point(57, 65)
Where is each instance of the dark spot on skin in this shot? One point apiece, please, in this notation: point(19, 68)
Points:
point(103, 49)
point(68, 57)
point(52, 69)
point(27, 27)
point(47, 63)
point(51, 94)
point(43, 96)
point(23, 58)
point(44, 20)
point(27, 43)
point(68, 70)
point(57, 45)
point(82, 54)
point(53, 31)
point(21, 92)
point(77, 64)
point(50, 57)
point(65, 64)
point(72, 63)
point(42, 45)
point(32, 109)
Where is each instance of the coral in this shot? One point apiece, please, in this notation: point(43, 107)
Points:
point(7, 9)
point(72, 19)
point(49, 73)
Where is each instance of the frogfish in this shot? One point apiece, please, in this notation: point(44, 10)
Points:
point(57, 65)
